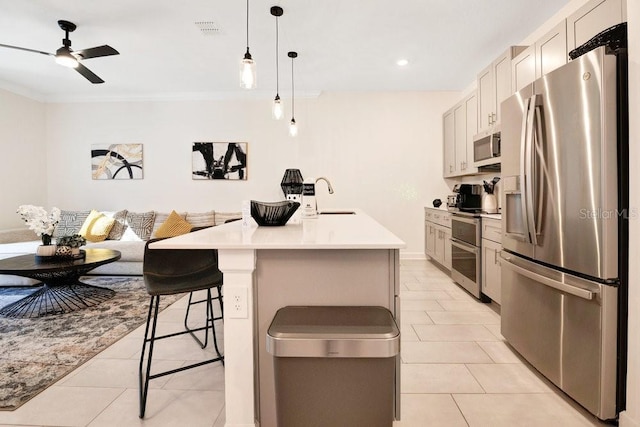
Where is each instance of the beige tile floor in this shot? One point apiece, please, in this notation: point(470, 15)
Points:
point(457, 371)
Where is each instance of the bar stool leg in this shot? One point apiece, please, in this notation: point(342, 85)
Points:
point(143, 379)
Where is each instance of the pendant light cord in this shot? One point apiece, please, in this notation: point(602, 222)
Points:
point(247, 25)
point(293, 97)
point(277, 67)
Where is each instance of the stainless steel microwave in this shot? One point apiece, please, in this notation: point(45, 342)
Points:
point(486, 149)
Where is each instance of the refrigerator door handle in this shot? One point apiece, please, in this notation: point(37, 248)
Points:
point(523, 160)
point(582, 293)
point(528, 170)
point(539, 171)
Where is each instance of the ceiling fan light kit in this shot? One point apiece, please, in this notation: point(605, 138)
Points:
point(68, 58)
point(64, 58)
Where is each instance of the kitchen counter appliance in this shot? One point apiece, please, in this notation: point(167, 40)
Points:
point(564, 208)
point(468, 197)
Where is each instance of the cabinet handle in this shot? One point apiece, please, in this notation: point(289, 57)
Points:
point(495, 257)
point(489, 118)
point(494, 117)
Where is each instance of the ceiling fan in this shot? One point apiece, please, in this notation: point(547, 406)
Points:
point(69, 58)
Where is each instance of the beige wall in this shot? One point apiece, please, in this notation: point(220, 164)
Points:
point(381, 151)
point(23, 174)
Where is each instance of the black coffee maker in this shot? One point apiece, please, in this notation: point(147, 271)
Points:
point(469, 197)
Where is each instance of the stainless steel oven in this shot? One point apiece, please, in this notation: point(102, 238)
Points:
point(466, 253)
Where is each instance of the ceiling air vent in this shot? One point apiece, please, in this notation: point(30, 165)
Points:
point(208, 28)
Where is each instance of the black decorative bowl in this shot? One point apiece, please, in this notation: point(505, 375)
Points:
point(273, 213)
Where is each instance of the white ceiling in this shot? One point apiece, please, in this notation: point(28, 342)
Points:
point(343, 45)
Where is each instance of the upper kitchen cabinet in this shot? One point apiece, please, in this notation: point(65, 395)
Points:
point(593, 17)
point(494, 86)
point(547, 54)
point(523, 69)
point(551, 50)
point(459, 126)
point(449, 144)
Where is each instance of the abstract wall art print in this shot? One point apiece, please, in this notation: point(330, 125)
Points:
point(116, 161)
point(219, 160)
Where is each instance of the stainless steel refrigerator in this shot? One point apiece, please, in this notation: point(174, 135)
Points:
point(563, 216)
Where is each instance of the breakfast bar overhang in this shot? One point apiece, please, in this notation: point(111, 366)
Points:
point(343, 259)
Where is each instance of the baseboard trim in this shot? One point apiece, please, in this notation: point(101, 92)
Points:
point(412, 255)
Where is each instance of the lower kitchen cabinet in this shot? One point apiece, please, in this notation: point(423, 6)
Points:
point(437, 237)
point(491, 247)
point(491, 281)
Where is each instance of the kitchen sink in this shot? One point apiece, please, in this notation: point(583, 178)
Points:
point(336, 213)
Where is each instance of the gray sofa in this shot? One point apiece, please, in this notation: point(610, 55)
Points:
point(21, 241)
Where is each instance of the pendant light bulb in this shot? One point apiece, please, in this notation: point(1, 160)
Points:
point(293, 128)
point(278, 108)
point(247, 65)
point(247, 72)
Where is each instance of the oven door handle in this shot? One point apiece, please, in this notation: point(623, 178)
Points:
point(465, 246)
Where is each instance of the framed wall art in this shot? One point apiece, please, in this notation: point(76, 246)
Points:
point(219, 160)
point(116, 161)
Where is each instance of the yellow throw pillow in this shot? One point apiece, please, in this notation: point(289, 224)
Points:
point(175, 225)
point(96, 227)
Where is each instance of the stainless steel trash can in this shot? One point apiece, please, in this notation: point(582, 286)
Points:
point(334, 366)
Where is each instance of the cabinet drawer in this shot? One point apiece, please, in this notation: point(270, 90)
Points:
point(428, 215)
point(442, 218)
point(492, 230)
point(437, 216)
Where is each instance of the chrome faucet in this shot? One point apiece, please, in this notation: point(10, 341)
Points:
point(328, 183)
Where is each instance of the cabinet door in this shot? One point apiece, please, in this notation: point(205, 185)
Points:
point(551, 50)
point(440, 246)
point(590, 19)
point(449, 143)
point(524, 68)
point(491, 274)
point(460, 136)
point(446, 261)
point(486, 98)
point(430, 240)
point(471, 105)
point(502, 73)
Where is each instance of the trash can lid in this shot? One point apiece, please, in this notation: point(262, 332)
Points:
point(333, 331)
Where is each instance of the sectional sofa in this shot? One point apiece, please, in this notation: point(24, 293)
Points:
point(129, 233)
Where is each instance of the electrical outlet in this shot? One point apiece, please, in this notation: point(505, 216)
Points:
point(236, 302)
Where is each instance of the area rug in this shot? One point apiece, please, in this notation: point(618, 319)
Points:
point(35, 353)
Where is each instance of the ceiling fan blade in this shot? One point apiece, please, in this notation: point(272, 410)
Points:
point(95, 52)
point(88, 74)
point(26, 50)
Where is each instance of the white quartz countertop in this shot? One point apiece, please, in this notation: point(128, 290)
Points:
point(334, 231)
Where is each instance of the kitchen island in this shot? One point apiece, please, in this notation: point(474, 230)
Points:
point(335, 259)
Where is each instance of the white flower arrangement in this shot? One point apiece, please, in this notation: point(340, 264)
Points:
point(38, 220)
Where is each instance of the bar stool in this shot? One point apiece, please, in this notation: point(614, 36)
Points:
point(170, 272)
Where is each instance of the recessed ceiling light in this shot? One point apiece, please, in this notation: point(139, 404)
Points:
point(402, 62)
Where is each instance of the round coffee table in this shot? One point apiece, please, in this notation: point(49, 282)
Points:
point(62, 291)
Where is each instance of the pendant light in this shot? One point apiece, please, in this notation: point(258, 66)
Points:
point(247, 65)
point(278, 106)
point(293, 127)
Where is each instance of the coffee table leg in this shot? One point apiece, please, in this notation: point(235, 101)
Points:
point(57, 299)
